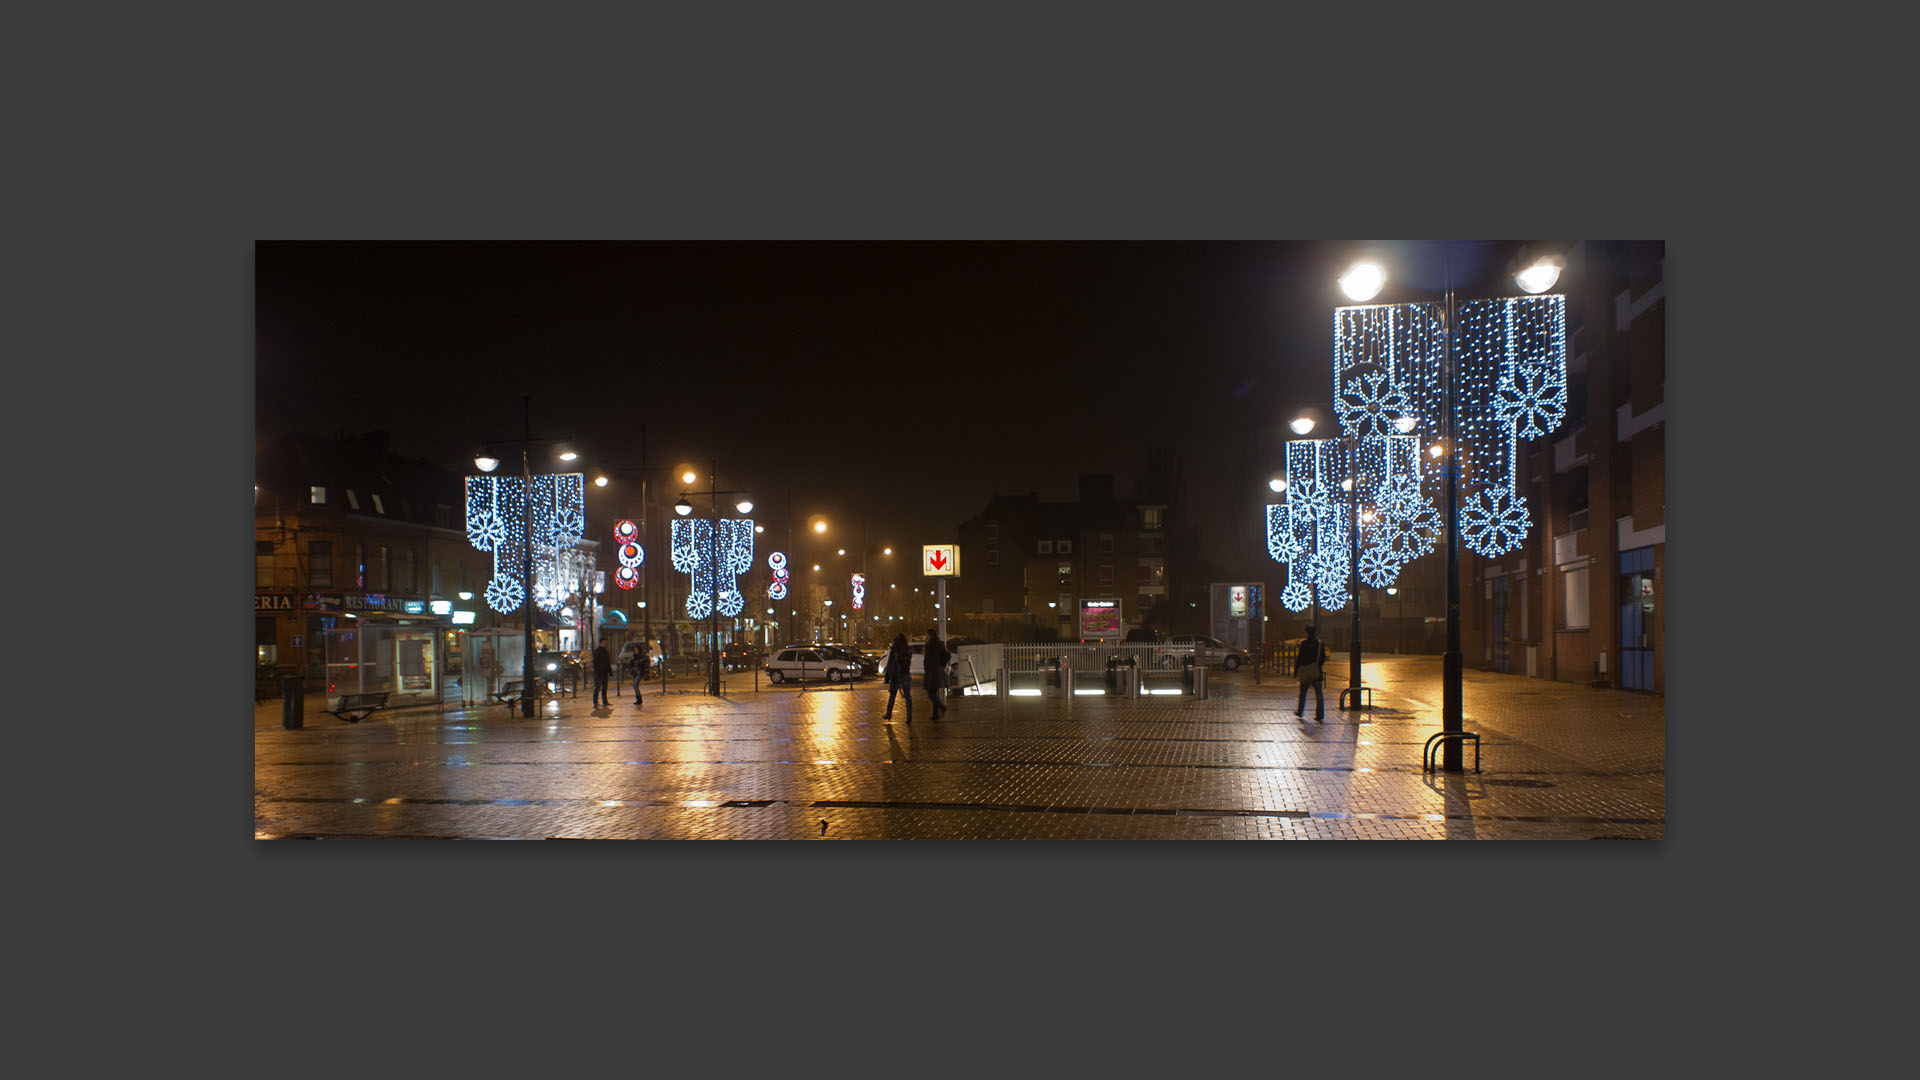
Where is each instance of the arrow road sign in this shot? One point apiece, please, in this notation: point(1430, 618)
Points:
point(940, 560)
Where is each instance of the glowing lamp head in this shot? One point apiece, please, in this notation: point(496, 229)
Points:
point(683, 507)
point(1363, 281)
point(745, 506)
point(568, 455)
point(1539, 277)
point(1405, 424)
point(819, 526)
point(1301, 424)
point(1277, 484)
point(688, 477)
point(485, 462)
point(599, 481)
point(1436, 450)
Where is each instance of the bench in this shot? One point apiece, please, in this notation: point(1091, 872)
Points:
point(1440, 739)
point(510, 693)
point(357, 707)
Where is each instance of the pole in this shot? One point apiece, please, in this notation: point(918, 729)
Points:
point(713, 583)
point(1452, 715)
point(526, 555)
point(942, 603)
point(1353, 571)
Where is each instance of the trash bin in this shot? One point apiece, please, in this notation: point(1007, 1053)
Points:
point(293, 700)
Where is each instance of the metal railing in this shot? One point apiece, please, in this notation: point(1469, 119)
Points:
point(1092, 658)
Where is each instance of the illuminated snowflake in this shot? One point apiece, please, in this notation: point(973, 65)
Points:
point(1296, 596)
point(504, 594)
point(1281, 544)
point(1398, 497)
point(546, 596)
point(731, 602)
point(1370, 404)
point(1377, 568)
point(486, 531)
point(568, 526)
point(699, 605)
point(1534, 402)
point(1310, 501)
point(1330, 570)
point(1493, 522)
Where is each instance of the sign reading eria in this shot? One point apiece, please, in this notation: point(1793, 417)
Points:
point(940, 560)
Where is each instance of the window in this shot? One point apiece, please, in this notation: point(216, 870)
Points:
point(409, 582)
point(443, 515)
point(380, 576)
point(993, 556)
point(266, 648)
point(986, 605)
point(1146, 574)
point(1151, 518)
point(359, 566)
point(1153, 546)
point(436, 578)
point(377, 508)
point(263, 563)
point(1064, 547)
point(353, 500)
point(320, 562)
point(993, 535)
point(1106, 573)
point(1573, 609)
point(463, 577)
point(317, 495)
point(1066, 573)
point(1046, 547)
point(1106, 543)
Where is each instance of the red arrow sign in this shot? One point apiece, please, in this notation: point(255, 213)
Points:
point(937, 560)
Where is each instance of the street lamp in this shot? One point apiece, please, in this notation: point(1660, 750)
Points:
point(684, 508)
point(487, 461)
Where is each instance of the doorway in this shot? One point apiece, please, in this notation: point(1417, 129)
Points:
point(1636, 619)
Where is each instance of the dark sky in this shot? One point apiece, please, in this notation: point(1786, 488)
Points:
point(900, 383)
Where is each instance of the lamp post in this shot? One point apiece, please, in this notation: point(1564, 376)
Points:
point(683, 508)
point(1399, 622)
point(1361, 283)
point(486, 461)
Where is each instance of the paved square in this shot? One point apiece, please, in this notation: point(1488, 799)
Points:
point(1559, 761)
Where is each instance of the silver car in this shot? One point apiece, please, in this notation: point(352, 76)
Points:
point(1211, 650)
point(802, 662)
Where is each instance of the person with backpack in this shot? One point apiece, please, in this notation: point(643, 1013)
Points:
point(1309, 667)
point(934, 670)
point(898, 671)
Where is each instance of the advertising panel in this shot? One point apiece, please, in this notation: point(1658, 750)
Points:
point(1100, 620)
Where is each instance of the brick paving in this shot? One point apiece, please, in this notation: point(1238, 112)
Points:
point(1559, 761)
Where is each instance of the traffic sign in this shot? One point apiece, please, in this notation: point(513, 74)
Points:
point(940, 560)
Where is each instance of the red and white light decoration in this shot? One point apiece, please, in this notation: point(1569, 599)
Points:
point(859, 591)
point(777, 589)
point(630, 553)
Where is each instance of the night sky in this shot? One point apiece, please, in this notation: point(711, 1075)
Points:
point(903, 384)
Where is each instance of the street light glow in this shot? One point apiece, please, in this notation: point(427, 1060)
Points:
point(819, 526)
point(745, 506)
point(486, 463)
point(1363, 281)
point(1277, 484)
point(683, 507)
point(1539, 277)
point(1406, 424)
point(599, 481)
point(1301, 425)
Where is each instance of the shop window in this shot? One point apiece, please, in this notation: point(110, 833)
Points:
point(320, 562)
point(359, 566)
point(263, 563)
point(317, 495)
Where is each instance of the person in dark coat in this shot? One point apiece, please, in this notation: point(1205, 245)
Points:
point(642, 654)
point(934, 671)
point(899, 674)
point(602, 673)
point(1312, 652)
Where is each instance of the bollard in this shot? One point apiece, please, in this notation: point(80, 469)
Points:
point(1067, 683)
point(293, 701)
point(1000, 686)
point(1200, 681)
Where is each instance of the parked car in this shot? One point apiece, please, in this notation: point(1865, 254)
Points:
point(740, 656)
point(799, 662)
point(1211, 650)
point(918, 664)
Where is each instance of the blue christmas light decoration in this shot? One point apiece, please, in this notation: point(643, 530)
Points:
point(497, 512)
point(693, 554)
point(1388, 363)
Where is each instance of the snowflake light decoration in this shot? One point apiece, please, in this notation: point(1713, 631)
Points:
point(1493, 522)
point(497, 513)
point(1296, 596)
point(694, 554)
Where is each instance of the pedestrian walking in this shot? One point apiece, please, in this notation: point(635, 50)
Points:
point(1309, 667)
point(602, 674)
point(934, 670)
point(899, 675)
point(642, 653)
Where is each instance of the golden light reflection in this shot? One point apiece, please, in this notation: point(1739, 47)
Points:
point(699, 803)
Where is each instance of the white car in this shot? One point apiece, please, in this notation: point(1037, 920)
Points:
point(918, 665)
point(1211, 651)
point(800, 662)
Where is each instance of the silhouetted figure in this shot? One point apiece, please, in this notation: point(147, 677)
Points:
point(899, 674)
point(934, 669)
point(1309, 666)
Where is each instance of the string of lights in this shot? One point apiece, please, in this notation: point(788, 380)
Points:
point(497, 511)
point(693, 554)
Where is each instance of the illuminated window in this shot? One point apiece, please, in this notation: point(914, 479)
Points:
point(1152, 518)
point(359, 566)
point(317, 495)
point(353, 500)
point(377, 508)
point(1066, 573)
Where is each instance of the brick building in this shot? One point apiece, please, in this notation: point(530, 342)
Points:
point(1584, 599)
point(1030, 563)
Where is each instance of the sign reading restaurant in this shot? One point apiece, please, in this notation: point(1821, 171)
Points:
point(399, 605)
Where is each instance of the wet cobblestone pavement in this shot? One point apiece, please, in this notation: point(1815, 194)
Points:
point(1559, 761)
